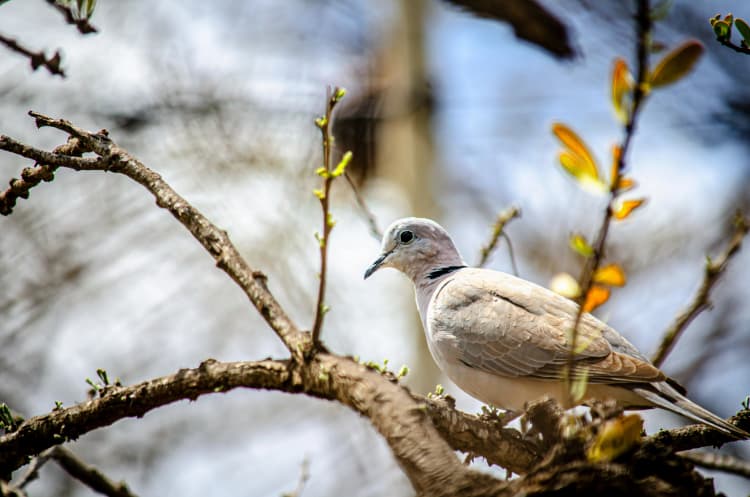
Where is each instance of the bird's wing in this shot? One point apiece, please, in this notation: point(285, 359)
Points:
point(510, 327)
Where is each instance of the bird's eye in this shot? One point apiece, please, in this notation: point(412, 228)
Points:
point(406, 236)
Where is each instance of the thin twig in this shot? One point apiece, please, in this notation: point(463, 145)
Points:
point(326, 172)
point(712, 271)
point(32, 473)
point(304, 475)
point(88, 475)
point(503, 218)
point(736, 48)
point(719, 462)
point(36, 59)
point(32, 176)
point(643, 28)
point(372, 222)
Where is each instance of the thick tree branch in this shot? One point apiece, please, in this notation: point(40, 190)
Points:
point(404, 422)
point(713, 270)
point(698, 435)
point(530, 21)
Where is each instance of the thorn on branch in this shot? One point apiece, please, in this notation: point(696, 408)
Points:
point(36, 59)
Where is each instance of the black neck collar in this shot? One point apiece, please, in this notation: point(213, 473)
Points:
point(437, 273)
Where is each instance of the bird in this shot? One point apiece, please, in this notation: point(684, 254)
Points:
point(507, 341)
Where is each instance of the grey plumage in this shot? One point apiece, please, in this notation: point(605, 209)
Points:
point(506, 341)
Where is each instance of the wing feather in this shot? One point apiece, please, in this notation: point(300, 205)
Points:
point(510, 327)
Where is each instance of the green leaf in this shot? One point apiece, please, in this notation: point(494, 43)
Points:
point(579, 244)
point(341, 167)
point(743, 28)
point(677, 63)
point(338, 94)
point(722, 31)
point(102, 374)
point(90, 8)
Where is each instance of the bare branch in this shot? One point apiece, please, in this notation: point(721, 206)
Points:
point(487, 438)
point(503, 218)
point(214, 240)
point(392, 410)
point(698, 435)
point(737, 48)
point(719, 462)
point(530, 21)
point(36, 59)
point(32, 176)
point(372, 222)
point(713, 270)
point(88, 475)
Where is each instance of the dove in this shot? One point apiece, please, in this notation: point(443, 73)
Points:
point(506, 341)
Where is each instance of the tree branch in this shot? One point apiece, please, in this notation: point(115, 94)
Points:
point(698, 435)
point(736, 48)
point(88, 475)
point(530, 21)
point(712, 271)
point(82, 23)
point(112, 158)
point(392, 410)
point(503, 218)
point(36, 59)
point(643, 30)
point(32, 176)
point(719, 462)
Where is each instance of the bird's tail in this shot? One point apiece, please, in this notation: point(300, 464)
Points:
point(666, 397)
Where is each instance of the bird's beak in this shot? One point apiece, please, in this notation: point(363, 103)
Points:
point(376, 265)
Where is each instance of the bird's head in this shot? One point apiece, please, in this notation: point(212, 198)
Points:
point(415, 246)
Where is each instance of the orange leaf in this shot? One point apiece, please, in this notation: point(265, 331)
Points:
point(596, 296)
point(676, 63)
point(611, 274)
point(583, 162)
point(622, 85)
point(625, 184)
point(624, 209)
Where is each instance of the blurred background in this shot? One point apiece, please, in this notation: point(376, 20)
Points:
point(449, 117)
